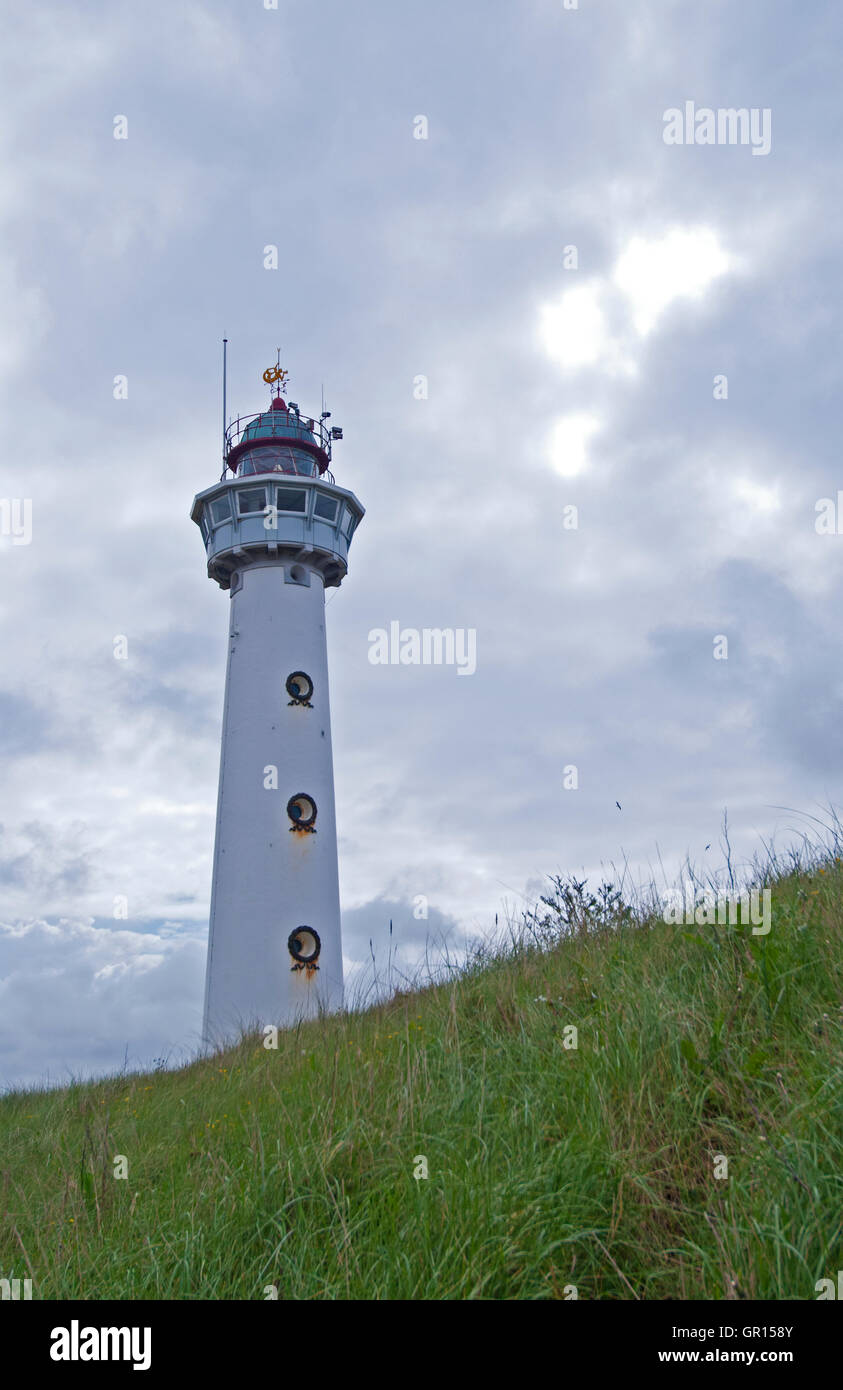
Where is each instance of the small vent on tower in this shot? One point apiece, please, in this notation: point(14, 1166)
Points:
point(302, 812)
point(297, 574)
point(300, 688)
point(304, 946)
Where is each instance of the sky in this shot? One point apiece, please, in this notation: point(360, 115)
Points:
point(588, 379)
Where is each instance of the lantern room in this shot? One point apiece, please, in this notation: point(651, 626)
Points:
point(279, 440)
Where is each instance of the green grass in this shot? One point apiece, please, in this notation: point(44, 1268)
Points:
point(548, 1166)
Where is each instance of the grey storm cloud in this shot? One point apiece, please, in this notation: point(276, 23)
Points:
point(24, 727)
point(42, 860)
point(486, 388)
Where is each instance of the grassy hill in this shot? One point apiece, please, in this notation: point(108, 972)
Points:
point(549, 1165)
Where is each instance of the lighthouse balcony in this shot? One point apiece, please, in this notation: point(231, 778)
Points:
point(252, 519)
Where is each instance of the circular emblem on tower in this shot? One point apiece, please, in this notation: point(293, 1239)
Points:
point(304, 946)
point(302, 812)
point(300, 687)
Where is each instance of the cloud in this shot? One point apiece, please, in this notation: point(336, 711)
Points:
point(421, 939)
point(568, 447)
point(655, 273)
point(574, 329)
point(649, 275)
point(76, 998)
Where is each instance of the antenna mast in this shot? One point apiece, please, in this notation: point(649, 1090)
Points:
point(224, 376)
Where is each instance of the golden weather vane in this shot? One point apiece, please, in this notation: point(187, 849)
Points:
point(277, 374)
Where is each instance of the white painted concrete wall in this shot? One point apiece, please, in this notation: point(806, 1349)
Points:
point(267, 879)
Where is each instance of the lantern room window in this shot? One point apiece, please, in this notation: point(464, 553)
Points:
point(277, 458)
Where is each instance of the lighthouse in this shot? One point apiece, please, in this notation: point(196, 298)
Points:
point(277, 531)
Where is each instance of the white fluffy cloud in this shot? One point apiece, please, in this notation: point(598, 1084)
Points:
point(568, 446)
point(574, 329)
point(648, 276)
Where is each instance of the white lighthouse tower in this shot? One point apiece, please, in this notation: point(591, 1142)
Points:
point(277, 530)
